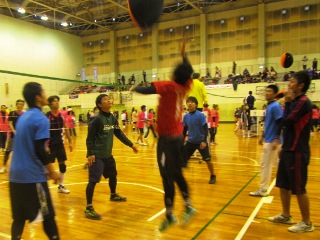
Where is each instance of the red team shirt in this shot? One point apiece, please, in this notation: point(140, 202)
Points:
point(172, 96)
point(141, 119)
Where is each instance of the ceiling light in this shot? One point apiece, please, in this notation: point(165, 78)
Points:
point(222, 21)
point(44, 17)
point(241, 18)
point(113, 19)
point(70, 24)
point(307, 8)
point(21, 10)
point(141, 34)
point(187, 27)
point(283, 11)
point(170, 30)
point(64, 24)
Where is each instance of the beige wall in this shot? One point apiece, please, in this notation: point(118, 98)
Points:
point(297, 32)
point(30, 49)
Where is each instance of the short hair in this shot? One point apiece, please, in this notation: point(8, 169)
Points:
point(192, 99)
point(250, 92)
point(274, 88)
point(52, 98)
point(20, 100)
point(195, 75)
point(30, 91)
point(99, 98)
point(143, 107)
point(182, 72)
point(303, 77)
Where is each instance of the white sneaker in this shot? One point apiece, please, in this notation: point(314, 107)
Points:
point(3, 170)
point(259, 193)
point(281, 219)
point(301, 227)
point(62, 189)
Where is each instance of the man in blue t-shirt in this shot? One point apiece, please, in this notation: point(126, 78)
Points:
point(30, 167)
point(270, 140)
point(195, 123)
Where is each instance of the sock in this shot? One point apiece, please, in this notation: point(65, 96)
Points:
point(61, 179)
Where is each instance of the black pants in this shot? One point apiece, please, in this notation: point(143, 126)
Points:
point(170, 155)
point(153, 132)
point(3, 139)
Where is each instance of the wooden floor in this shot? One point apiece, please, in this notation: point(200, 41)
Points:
point(225, 210)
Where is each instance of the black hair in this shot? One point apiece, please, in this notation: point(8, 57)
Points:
point(182, 72)
point(195, 75)
point(143, 107)
point(250, 92)
point(99, 98)
point(274, 88)
point(20, 100)
point(192, 99)
point(52, 98)
point(30, 91)
point(303, 77)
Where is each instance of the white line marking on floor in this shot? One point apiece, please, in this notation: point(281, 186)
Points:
point(255, 211)
point(129, 183)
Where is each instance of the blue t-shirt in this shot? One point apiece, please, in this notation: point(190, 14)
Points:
point(26, 167)
point(195, 122)
point(273, 113)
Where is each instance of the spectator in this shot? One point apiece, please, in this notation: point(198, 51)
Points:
point(249, 100)
point(304, 63)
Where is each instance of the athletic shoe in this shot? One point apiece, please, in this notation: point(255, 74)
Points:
point(3, 170)
point(301, 227)
point(188, 214)
point(281, 219)
point(62, 189)
point(91, 213)
point(168, 221)
point(259, 193)
point(117, 198)
point(212, 179)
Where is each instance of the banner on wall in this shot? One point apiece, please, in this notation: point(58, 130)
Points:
point(73, 96)
point(95, 74)
point(83, 74)
point(219, 86)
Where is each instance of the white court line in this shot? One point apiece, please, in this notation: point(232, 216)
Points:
point(129, 183)
point(5, 235)
point(255, 211)
point(156, 215)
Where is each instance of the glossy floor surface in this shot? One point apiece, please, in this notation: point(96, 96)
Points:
point(224, 209)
